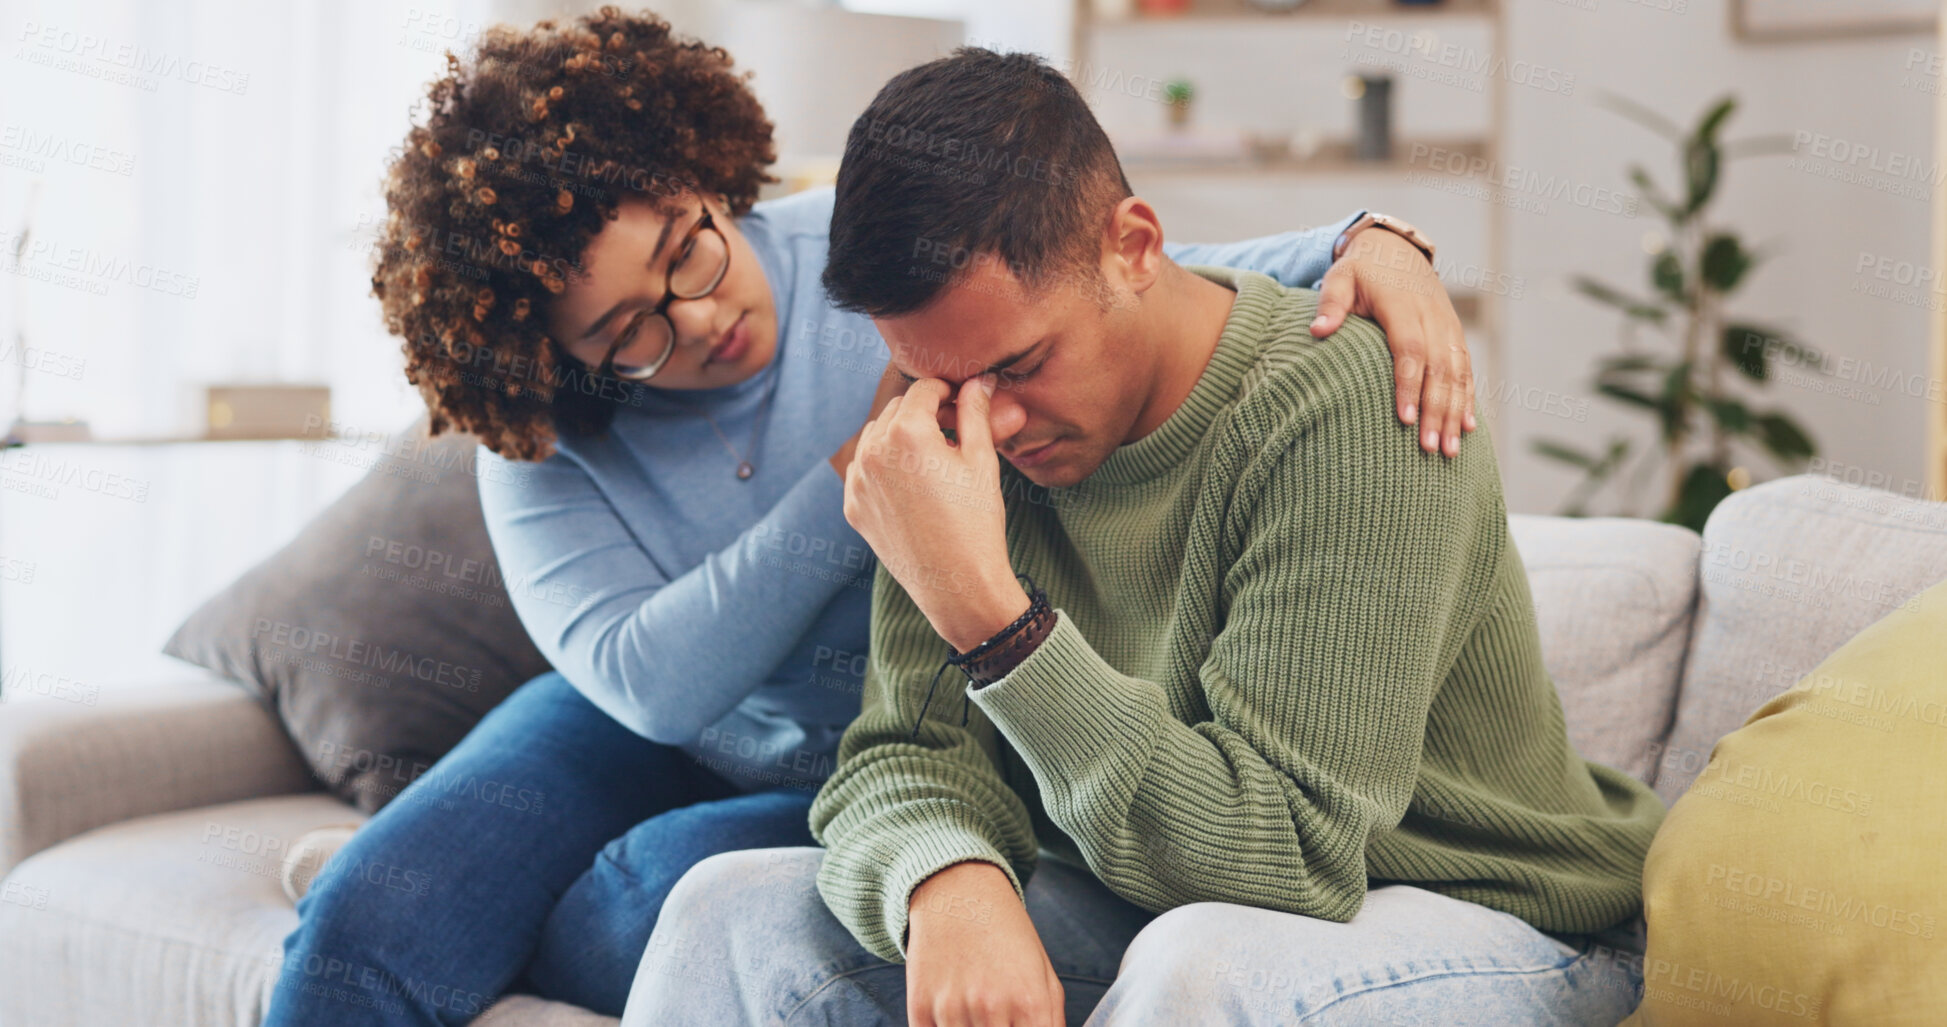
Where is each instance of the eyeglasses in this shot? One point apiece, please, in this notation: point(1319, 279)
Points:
point(702, 260)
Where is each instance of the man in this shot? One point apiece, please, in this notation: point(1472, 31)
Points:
point(1284, 685)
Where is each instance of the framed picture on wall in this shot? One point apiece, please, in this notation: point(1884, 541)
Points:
point(1767, 20)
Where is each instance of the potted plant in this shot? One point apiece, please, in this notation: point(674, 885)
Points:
point(1178, 93)
point(1695, 384)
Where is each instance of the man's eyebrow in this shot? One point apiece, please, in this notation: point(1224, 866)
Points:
point(655, 253)
point(997, 366)
point(1006, 362)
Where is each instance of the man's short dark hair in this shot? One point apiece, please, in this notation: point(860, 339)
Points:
point(977, 156)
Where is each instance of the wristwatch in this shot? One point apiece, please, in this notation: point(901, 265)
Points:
point(1367, 219)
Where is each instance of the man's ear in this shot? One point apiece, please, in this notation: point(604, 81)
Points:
point(1133, 245)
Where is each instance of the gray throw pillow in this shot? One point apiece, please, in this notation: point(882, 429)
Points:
point(383, 632)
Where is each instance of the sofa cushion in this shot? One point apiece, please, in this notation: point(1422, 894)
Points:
point(149, 748)
point(383, 632)
point(1613, 600)
point(1790, 570)
point(175, 920)
point(1797, 881)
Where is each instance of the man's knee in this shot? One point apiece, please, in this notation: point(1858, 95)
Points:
point(730, 924)
point(1199, 957)
point(1181, 954)
point(733, 888)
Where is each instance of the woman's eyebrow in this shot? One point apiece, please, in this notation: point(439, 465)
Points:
point(669, 226)
point(655, 253)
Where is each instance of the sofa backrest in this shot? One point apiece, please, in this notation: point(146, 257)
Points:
point(1790, 570)
point(1613, 599)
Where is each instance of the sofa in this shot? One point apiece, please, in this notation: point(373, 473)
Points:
point(141, 836)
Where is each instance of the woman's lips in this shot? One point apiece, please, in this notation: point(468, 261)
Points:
point(735, 344)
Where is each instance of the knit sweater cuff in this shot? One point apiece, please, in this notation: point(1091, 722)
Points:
point(1074, 718)
point(922, 854)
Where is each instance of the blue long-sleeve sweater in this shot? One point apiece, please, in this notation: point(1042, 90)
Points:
point(730, 617)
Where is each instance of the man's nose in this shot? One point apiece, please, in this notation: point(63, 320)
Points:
point(1005, 415)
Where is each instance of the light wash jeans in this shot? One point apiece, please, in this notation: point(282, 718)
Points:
point(745, 939)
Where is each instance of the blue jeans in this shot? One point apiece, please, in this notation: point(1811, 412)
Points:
point(748, 940)
point(535, 857)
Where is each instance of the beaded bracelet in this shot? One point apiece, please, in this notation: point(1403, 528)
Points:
point(1036, 615)
point(1037, 601)
point(996, 665)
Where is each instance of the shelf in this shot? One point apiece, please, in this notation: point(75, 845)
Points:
point(1333, 157)
point(1313, 10)
point(1226, 184)
point(160, 440)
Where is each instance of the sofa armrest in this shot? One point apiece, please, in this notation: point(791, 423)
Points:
point(66, 768)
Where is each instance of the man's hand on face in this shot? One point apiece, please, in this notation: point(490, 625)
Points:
point(973, 958)
point(932, 512)
point(890, 386)
point(1385, 278)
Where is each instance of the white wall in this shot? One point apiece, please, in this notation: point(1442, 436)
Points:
point(1857, 90)
point(815, 65)
point(1279, 78)
point(225, 238)
point(71, 565)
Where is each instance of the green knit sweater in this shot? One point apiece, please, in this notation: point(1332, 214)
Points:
point(1295, 656)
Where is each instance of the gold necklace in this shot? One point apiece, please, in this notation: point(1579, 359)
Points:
point(745, 466)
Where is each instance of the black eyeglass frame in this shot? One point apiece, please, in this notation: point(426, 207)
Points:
point(707, 222)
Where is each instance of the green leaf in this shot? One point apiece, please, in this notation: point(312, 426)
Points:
point(1725, 262)
point(1626, 363)
point(1633, 397)
point(1641, 115)
point(1753, 348)
point(1784, 438)
point(1700, 164)
point(1666, 273)
point(1673, 406)
point(1731, 415)
point(1703, 488)
point(1796, 352)
point(1744, 347)
point(1701, 157)
point(1707, 128)
point(1651, 194)
point(1641, 310)
point(1564, 454)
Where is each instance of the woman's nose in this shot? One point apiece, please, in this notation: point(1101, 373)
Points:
point(695, 320)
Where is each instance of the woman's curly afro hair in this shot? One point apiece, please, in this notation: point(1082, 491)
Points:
point(526, 152)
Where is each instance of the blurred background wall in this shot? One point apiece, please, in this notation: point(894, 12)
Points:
point(199, 185)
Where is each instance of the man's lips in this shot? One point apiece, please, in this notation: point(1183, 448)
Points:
point(1031, 456)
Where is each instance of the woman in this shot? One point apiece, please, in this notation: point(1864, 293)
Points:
point(580, 277)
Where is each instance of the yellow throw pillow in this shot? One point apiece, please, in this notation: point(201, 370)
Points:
point(1803, 878)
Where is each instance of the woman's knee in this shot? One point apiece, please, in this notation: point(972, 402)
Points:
point(344, 909)
point(664, 847)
